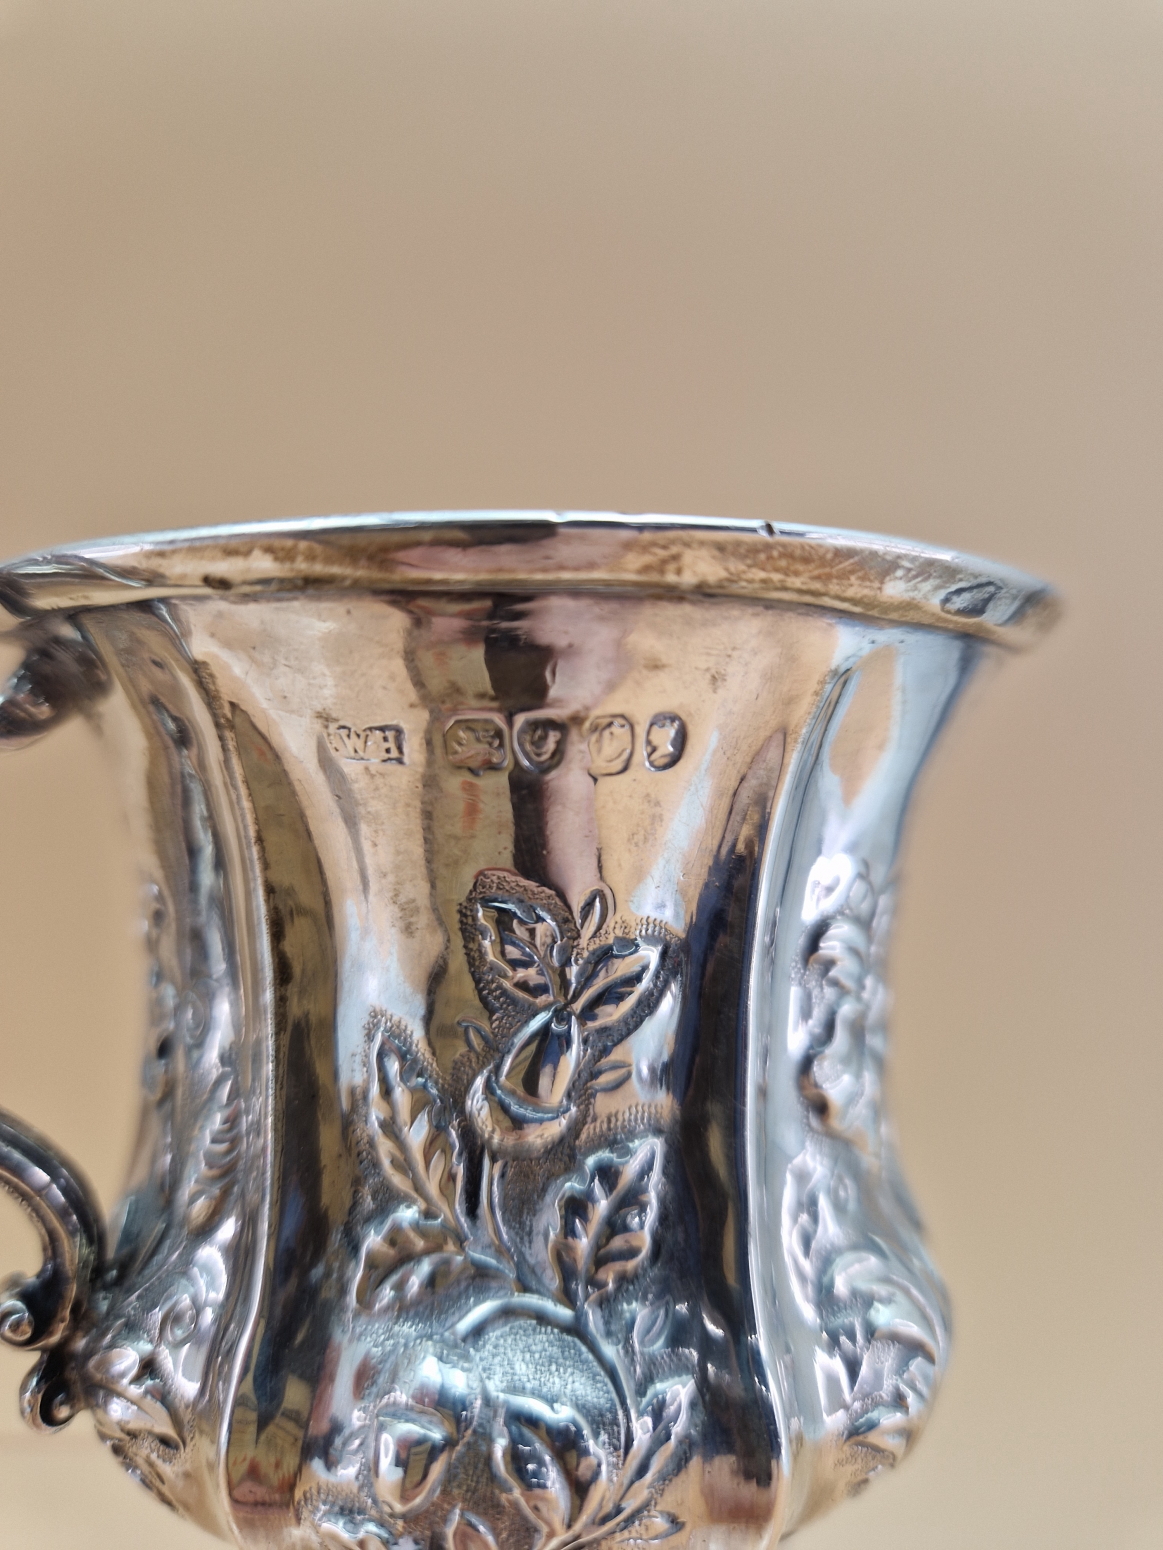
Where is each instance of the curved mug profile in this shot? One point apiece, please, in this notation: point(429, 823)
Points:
point(514, 1171)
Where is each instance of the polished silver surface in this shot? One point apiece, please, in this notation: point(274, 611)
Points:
point(514, 1171)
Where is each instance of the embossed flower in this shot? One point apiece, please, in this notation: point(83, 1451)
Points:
point(562, 991)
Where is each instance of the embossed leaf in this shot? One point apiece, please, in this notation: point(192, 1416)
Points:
point(611, 1075)
point(417, 1143)
point(478, 1038)
point(536, 1477)
point(545, 1455)
point(651, 1325)
point(650, 1528)
point(891, 1309)
point(131, 1395)
point(843, 953)
point(616, 984)
point(221, 1151)
point(414, 1257)
point(521, 952)
point(607, 1217)
point(347, 1452)
point(417, 1280)
point(840, 1075)
point(518, 937)
point(411, 1450)
point(348, 1532)
point(594, 911)
point(465, 1531)
point(662, 1427)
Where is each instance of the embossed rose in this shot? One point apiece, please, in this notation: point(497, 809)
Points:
point(562, 991)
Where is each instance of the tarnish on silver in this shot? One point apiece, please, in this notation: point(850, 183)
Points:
point(514, 1171)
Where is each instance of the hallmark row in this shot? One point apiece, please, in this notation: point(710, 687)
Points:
point(487, 741)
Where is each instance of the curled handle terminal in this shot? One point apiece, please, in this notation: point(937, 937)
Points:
point(46, 1312)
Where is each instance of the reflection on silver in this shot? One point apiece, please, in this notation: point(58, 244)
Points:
point(514, 1171)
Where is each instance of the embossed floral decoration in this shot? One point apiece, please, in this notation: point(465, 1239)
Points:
point(562, 991)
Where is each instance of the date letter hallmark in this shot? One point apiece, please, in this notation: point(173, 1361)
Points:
point(611, 744)
point(366, 745)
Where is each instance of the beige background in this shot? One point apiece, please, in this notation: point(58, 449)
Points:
point(882, 263)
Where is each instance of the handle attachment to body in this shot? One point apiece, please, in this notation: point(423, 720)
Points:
point(45, 1311)
point(60, 673)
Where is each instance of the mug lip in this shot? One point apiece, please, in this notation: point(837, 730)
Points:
point(530, 552)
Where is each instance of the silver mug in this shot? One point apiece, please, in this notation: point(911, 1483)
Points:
point(514, 1171)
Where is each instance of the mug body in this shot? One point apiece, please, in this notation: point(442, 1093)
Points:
point(513, 1170)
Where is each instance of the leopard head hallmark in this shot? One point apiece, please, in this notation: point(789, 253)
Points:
point(514, 1171)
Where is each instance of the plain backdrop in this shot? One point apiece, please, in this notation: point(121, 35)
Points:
point(878, 263)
